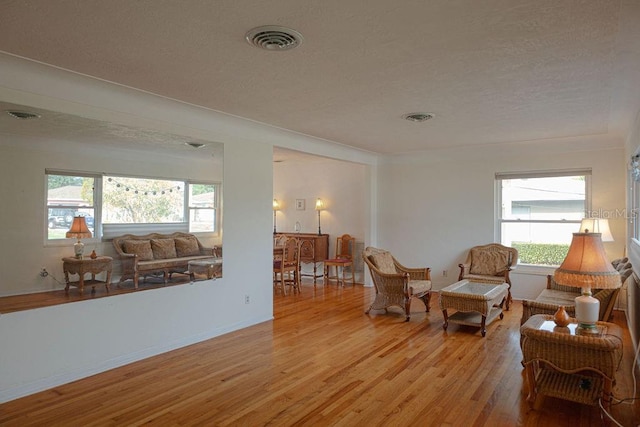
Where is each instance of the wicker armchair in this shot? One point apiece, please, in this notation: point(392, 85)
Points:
point(396, 284)
point(556, 295)
point(489, 264)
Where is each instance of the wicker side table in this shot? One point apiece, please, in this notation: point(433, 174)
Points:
point(563, 363)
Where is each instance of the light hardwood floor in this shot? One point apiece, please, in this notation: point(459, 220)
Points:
point(322, 361)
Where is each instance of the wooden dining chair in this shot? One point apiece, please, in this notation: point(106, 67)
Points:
point(345, 245)
point(286, 266)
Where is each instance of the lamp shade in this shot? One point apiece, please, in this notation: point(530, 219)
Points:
point(79, 229)
point(597, 225)
point(319, 205)
point(276, 205)
point(586, 264)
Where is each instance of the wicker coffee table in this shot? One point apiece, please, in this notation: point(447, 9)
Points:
point(476, 303)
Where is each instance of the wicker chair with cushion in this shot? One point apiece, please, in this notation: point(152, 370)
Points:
point(396, 284)
point(489, 263)
point(556, 295)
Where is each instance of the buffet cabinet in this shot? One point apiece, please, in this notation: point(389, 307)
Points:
point(314, 248)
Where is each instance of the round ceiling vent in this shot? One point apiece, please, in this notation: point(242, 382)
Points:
point(22, 115)
point(418, 117)
point(273, 37)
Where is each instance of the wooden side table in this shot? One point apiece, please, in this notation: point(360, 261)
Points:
point(566, 363)
point(82, 266)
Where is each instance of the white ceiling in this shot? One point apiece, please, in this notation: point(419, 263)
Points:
point(493, 71)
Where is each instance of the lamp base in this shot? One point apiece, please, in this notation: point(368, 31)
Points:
point(78, 249)
point(587, 329)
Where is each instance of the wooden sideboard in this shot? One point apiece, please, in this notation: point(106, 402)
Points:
point(314, 248)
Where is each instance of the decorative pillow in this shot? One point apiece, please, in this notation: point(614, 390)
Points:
point(488, 263)
point(187, 246)
point(384, 262)
point(142, 248)
point(163, 248)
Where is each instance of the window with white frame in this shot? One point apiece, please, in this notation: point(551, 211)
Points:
point(132, 205)
point(538, 212)
point(69, 195)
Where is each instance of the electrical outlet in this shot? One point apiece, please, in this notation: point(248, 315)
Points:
point(44, 272)
point(444, 273)
point(246, 299)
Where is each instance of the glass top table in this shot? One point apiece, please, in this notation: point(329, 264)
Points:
point(476, 303)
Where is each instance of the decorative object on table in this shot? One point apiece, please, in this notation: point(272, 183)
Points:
point(586, 266)
point(276, 208)
point(79, 230)
point(561, 317)
point(93, 255)
point(319, 208)
point(597, 225)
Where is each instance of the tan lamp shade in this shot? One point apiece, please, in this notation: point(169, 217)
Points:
point(319, 205)
point(586, 264)
point(79, 229)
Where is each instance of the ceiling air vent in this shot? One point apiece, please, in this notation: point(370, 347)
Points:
point(272, 37)
point(22, 115)
point(418, 117)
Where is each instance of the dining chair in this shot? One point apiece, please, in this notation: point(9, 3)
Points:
point(345, 245)
point(286, 266)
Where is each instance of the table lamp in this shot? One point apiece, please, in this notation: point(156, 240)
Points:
point(319, 208)
point(79, 230)
point(597, 225)
point(276, 208)
point(586, 266)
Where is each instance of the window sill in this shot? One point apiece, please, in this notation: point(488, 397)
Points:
point(534, 270)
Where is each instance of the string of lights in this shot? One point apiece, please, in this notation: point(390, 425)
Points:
point(143, 192)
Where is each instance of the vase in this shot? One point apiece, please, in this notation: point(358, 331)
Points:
point(561, 317)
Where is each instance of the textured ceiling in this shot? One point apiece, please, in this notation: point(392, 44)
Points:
point(491, 71)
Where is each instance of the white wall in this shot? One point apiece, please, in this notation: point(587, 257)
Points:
point(341, 186)
point(42, 348)
point(433, 207)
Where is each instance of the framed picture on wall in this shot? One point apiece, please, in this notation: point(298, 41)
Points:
point(299, 204)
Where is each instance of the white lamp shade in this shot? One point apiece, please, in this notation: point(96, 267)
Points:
point(597, 225)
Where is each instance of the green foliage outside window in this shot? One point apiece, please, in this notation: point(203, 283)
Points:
point(541, 253)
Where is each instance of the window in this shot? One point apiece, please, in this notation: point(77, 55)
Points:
point(128, 200)
point(69, 195)
point(203, 203)
point(130, 204)
point(538, 212)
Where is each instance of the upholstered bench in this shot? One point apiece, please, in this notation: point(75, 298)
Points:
point(158, 253)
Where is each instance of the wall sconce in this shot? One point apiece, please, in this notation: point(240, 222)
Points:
point(319, 207)
point(276, 208)
point(79, 230)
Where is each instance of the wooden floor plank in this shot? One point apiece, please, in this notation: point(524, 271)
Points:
point(322, 361)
